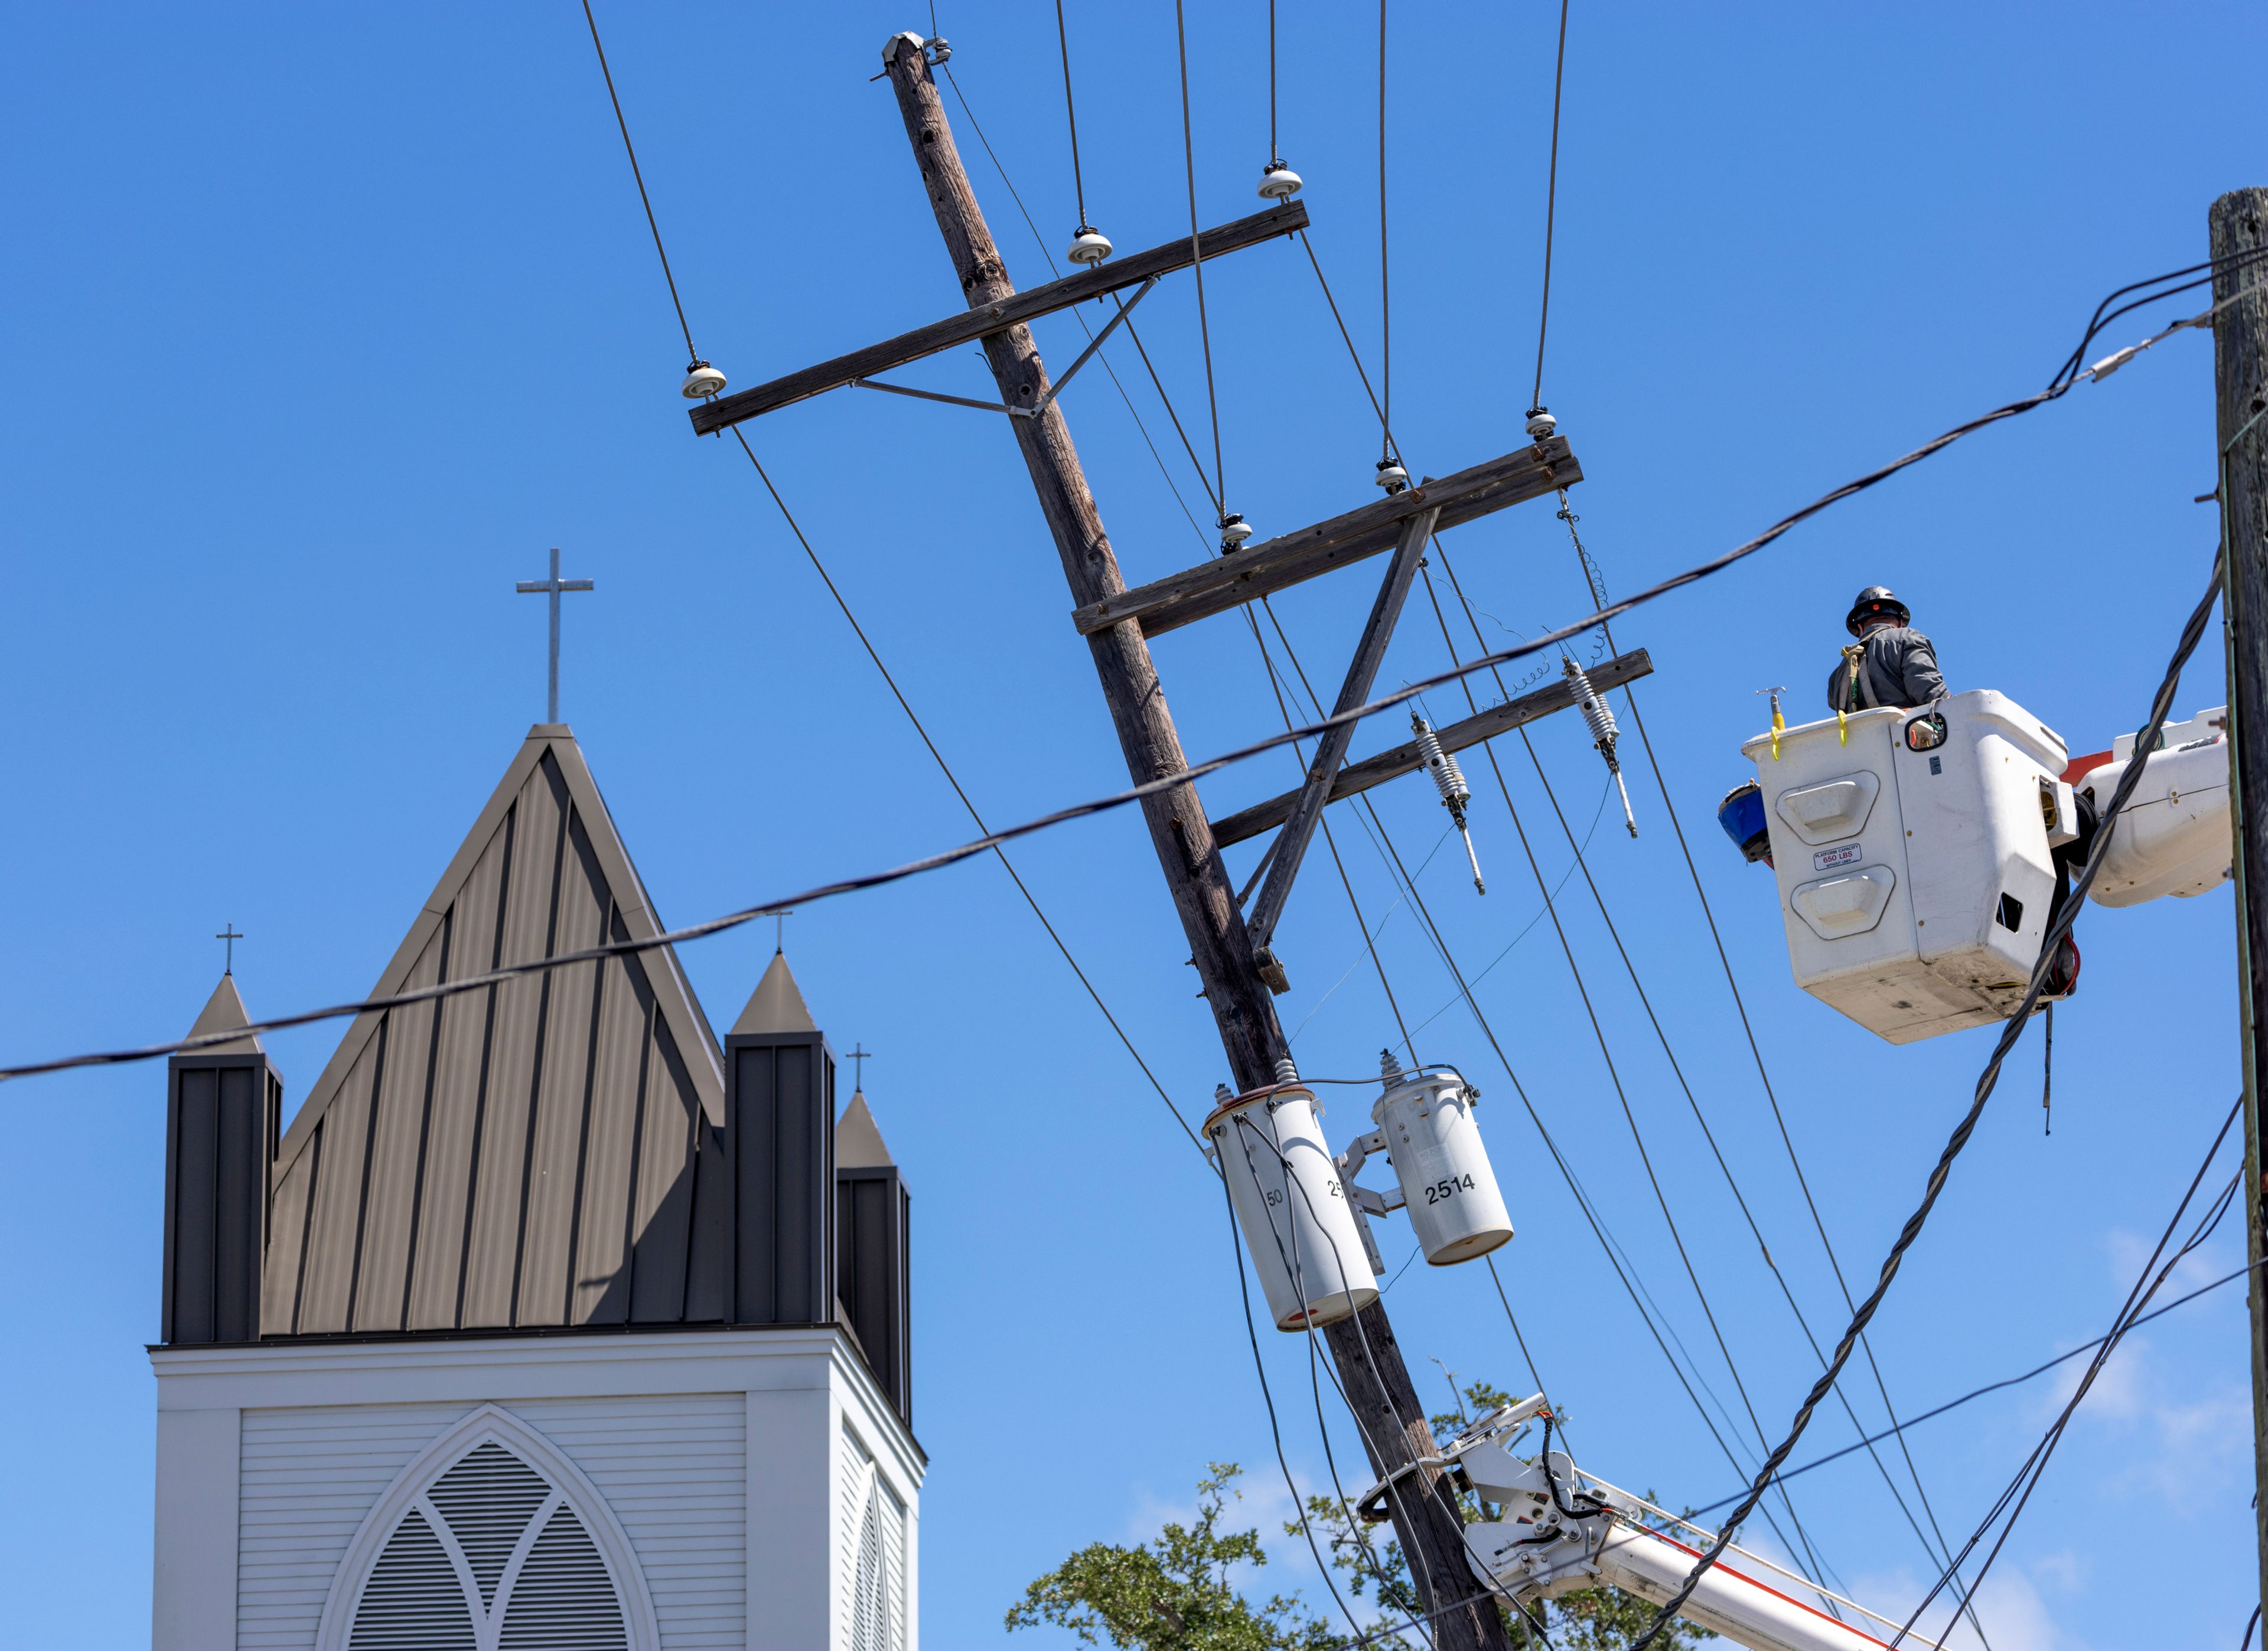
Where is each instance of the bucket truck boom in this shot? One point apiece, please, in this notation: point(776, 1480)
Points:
point(1557, 1528)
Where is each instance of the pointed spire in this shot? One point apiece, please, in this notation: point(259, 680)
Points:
point(776, 1005)
point(858, 1143)
point(224, 1011)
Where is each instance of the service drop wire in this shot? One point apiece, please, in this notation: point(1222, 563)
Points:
point(2081, 1351)
point(2034, 1465)
point(2147, 740)
point(1549, 640)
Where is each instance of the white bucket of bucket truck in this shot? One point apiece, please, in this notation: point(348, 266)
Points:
point(1913, 853)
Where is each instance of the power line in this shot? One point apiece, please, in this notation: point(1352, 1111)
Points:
point(1196, 259)
point(1385, 291)
point(2145, 740)
point(954, 780)
point(1676, 1068)
point(2036, 1465)
point(645, 201)
point(1994, 1387)
point(1551, 209)
point(1614, 1074)
point(1071, 114)
point(1097, 805)
point(1383, 840)
point(1595, 582)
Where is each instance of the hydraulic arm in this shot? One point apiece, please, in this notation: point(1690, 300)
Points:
point(1555, 1528)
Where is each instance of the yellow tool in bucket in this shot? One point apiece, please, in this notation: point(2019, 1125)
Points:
point(1779, 723)
point(1851, 658)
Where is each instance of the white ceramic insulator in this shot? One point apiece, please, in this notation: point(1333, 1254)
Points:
point(1455, 1208)
point(1449, 779)
point(1294, 1212)
point(1595, 710)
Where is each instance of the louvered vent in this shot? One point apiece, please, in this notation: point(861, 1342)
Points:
point(413, 1601)
point(488, 1499)
point(562, 1600)
point(538, 1581)
point(869, 1604)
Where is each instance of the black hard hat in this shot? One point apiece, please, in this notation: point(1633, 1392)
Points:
point(1876, 601)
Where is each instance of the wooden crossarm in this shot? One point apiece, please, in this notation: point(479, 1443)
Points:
point(1389, 765)
point(1257, 571)
point(1013, 311)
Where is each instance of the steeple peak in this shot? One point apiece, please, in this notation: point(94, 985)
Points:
point(224, 1011)
point(859, 1145)
point(776, 1005)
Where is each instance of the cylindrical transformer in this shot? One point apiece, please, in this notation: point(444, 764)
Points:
point(1295, 1213)
point(1454, 1205)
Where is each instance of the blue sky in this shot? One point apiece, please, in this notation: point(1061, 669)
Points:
point(326, 324)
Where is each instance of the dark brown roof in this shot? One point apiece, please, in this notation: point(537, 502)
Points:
point(540, 1152)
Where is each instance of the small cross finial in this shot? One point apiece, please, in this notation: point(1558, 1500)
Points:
point(780, 932)
point(228, 933)
point(553, 587)
point(859, 1078)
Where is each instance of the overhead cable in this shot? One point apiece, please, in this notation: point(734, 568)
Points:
point(1098, 805)
point(1596, 582)
point(1995, 1387)
point(631, 150)
point(1661, 1034)
point(1071, 116)
point(1614, 1073)
point(954, 780)
point(2034, 1465)
point(1196, 259)
point(1551, 209)
point(2145, 739)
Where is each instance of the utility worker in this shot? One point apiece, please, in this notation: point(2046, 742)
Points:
point(1893, 664)
point(1890, 665)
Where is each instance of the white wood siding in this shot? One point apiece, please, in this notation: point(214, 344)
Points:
point(674, 1468)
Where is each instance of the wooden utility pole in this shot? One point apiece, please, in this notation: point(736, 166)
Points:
point(2239, 223)
point(1370, 1365)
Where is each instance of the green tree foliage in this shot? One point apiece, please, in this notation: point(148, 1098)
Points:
point(1173, 1593)
point(1177, 1592)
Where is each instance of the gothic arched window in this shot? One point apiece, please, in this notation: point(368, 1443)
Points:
point(490, 1541)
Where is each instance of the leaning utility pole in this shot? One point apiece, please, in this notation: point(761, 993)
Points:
point(1377, 1382)
point(2239, 224)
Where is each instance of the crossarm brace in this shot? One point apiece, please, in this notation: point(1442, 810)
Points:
point(1054, 390)
point(1369, 654)
point(1014, 310)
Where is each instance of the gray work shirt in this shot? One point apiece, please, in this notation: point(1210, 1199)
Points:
point(1899, 669)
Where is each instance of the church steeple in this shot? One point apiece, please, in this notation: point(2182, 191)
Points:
point(874, 1215)
point(779, 1113)
point(223, 1101)
point(776, 1005)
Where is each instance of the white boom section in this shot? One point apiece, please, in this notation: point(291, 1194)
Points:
point(2172, 837)
point(1558, 1529)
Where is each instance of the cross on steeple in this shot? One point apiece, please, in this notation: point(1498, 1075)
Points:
point(228, 933)
point(780, 932)
point(858, 1076)
point(553, 587)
